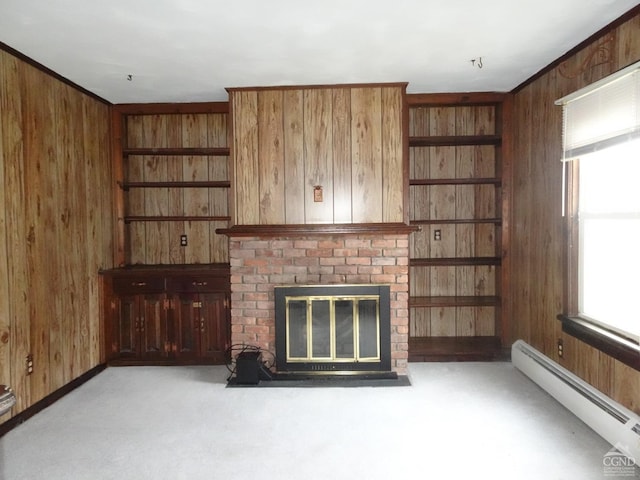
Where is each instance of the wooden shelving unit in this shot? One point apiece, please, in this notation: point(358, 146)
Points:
point(458, 189)
point(172, 168)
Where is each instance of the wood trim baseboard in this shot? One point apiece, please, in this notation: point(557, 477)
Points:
point(614, 345)
point(37, 407)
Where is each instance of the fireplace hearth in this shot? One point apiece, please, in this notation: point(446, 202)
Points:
point(332, 329)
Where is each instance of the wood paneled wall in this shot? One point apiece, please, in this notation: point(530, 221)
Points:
point(347, 140)
point(537, 225)
point(56, 229)
point(158, 242)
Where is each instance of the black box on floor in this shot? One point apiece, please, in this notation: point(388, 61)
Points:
point(248, 368)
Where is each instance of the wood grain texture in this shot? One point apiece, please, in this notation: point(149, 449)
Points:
point(537, 233)
point(366, 154)
point(245, 138)
point(318, 155)
point(346, 141)
point(271, 157)
point(56, 229)
point(393, 165)
point(341, 113)
point(293, 114)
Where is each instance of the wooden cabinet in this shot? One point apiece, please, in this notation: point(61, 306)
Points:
point(167, 316)
point(459, 198)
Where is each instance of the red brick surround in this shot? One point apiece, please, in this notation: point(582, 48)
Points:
point(258, 264)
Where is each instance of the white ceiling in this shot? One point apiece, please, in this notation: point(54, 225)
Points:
point(190, 50)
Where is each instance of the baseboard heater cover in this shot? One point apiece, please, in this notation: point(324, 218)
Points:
point(612, 421)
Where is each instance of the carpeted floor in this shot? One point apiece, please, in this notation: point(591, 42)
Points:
point(455, 421)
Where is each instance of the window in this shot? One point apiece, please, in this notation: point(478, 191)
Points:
point(601, 141)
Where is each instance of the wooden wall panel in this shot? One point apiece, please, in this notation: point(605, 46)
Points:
point(318, 155)
point(293, 113)
point(218, 197)
point(12, 132)
point(175, 196)
point(56, 229)
point(366, 155)
point(345, 140)
point(271, 157)
point(155, 169)
point(196, 200)
point(341, 112)
point(246, 169)
point(538, 235)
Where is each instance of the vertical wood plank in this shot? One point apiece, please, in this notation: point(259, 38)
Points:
point(175, 196)
point(12, 130)
point(246, 168)
point(464, 209)
point(218, 197)
point(42, 207)
point(294, 162)
point(366, 154)
point(156, 199)
point(318, 154)
point(393, 170)
point(442, 207)
point(196, 200)
point(271, 157)
point(341, 113)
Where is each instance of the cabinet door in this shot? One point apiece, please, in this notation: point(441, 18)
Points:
point(214, 329)
point(126, 323)
point(152, 325)
point(186, 321)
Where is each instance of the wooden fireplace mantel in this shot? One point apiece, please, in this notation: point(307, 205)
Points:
point(296, 230)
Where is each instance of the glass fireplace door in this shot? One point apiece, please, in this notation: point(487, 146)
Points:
point(335, 328)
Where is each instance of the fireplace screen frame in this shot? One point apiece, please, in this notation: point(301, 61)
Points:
point(332, 362)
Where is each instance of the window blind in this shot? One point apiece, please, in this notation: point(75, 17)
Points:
point(603, 114)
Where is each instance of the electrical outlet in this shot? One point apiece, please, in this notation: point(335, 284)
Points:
point(30, 364)
point(183, 240)
point(437, 235)
point(560, 348)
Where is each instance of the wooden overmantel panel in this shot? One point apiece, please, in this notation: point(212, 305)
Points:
point(318, 154)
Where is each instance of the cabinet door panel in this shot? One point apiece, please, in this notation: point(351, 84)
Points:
point(153, 326)
point(127, 325)
point(214, 329)
point(186, 318)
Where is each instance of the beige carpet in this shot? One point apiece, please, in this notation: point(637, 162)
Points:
point(456, 421)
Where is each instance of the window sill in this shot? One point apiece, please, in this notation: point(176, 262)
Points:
point(618, 347)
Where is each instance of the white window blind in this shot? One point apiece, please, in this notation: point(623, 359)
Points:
point(603, 114)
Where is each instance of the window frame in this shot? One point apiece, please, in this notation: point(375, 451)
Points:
point(593, 333)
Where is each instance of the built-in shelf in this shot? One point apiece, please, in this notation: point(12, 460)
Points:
point(450, 301)
point(443, 349)
point(455, 181)
point(454, 140)
point(495, 221)
point(182, 218)
point(454, 261)
point(178, 151)
point(203, 184)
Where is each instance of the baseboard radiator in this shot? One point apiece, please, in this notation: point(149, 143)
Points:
point(612, 421)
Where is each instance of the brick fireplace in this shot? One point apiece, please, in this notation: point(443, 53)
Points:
point(259, 263)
